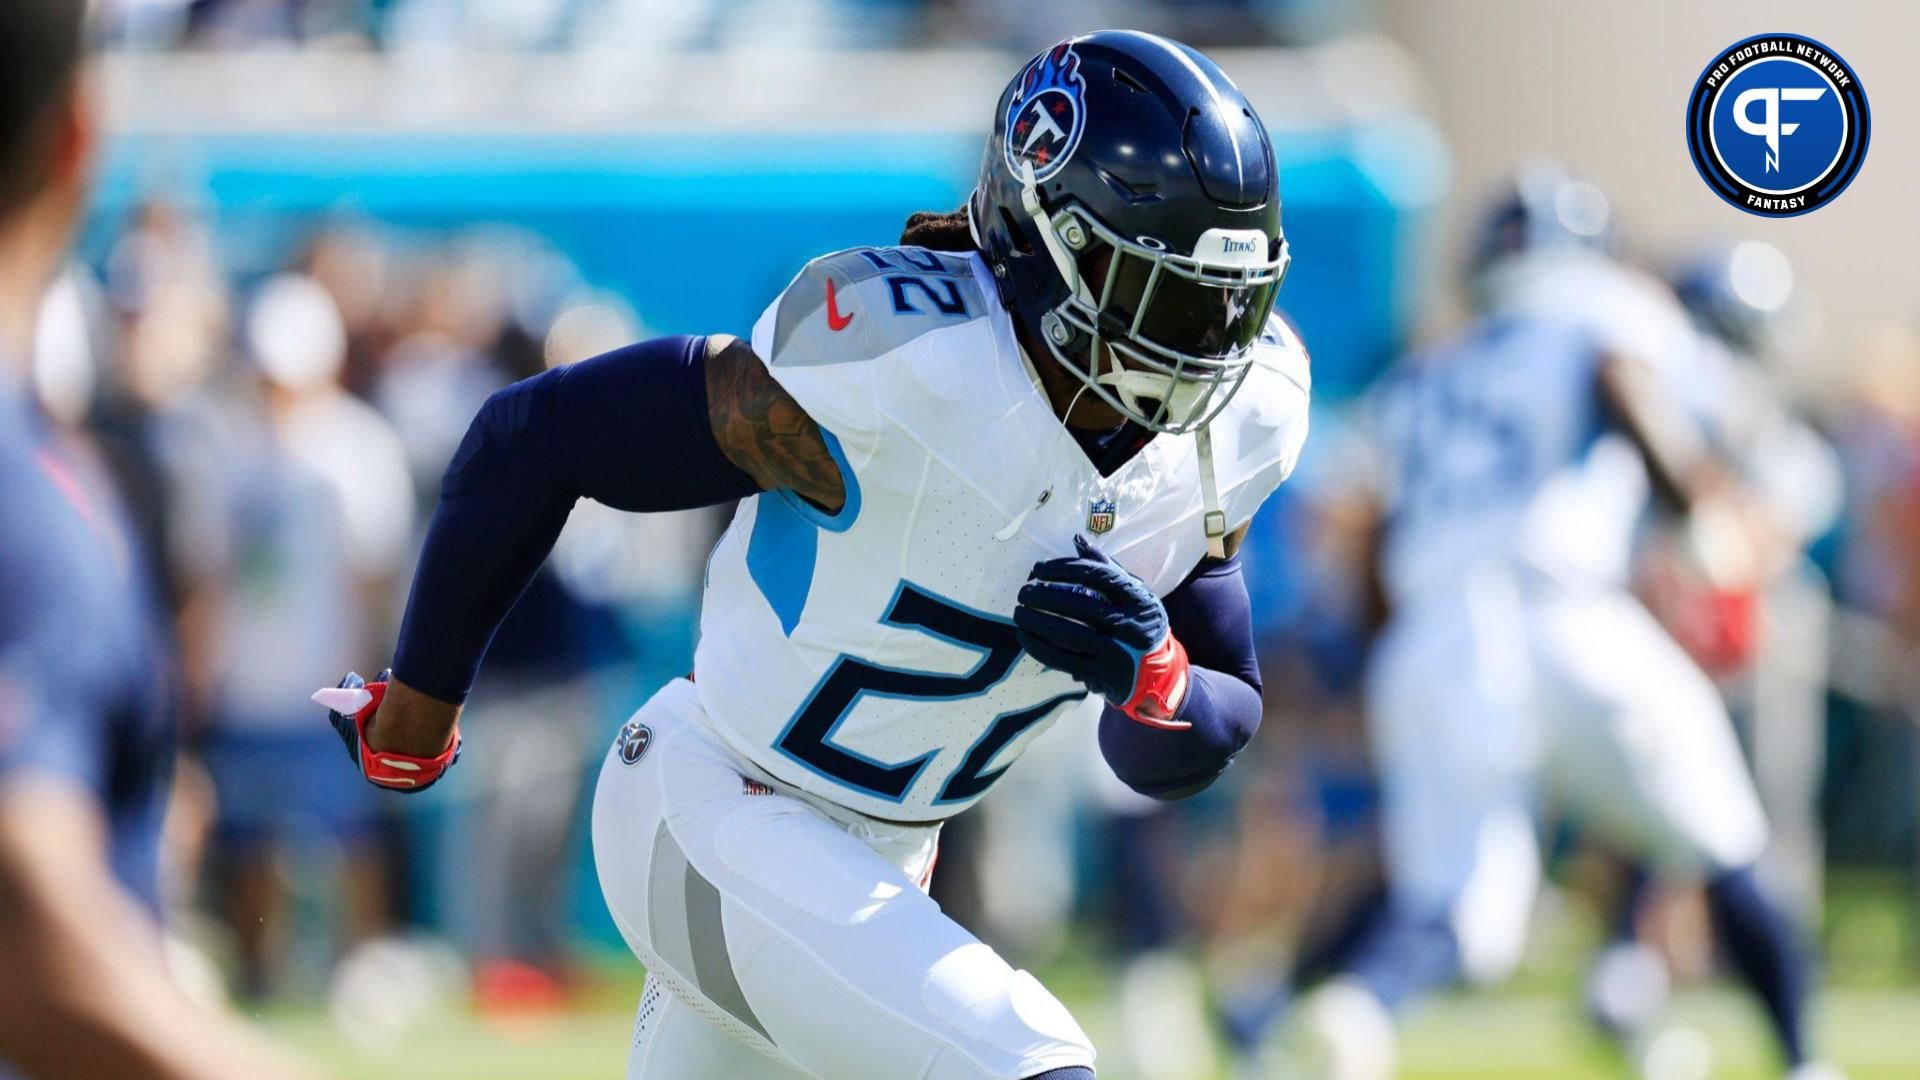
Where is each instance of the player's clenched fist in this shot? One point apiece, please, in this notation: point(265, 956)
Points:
point(1088, 616)
point(350, 706)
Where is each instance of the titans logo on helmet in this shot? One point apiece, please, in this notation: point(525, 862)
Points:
point(1778, 125)
point(1048, 115)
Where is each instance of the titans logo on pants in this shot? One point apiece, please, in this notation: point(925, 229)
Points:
point(634, 740)
point(1048, 114)
point(1778, 125)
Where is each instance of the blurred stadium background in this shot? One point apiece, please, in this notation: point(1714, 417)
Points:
point(329, 228)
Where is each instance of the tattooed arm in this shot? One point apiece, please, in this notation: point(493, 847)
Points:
point(763, 431)
point(669, 424)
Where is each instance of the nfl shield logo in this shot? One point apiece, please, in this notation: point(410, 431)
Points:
point(1100, 516)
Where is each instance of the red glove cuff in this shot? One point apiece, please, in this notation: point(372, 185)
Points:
point(1160, 688)
point(399, 771)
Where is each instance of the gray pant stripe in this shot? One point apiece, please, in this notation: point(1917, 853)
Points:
point(713, 964)
point(667, 903)
point(688, 934)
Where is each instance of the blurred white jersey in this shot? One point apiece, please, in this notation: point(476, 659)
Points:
point(867, 657)
point(1790, 467)
point(1495, 444)
point(1516, 660)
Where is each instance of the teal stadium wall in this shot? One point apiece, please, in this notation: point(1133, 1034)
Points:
point(700, 231)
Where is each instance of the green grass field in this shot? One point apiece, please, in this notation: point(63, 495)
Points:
point(1869, 1021)
point(1874, 1034)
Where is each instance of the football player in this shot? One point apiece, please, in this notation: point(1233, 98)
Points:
point(991, 479)
point(86, 748)
point(1741, 298)
point(1514, 662)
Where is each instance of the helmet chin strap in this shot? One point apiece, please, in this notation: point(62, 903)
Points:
point(1181, 400)
point(1212, 517)
point(1063, 260)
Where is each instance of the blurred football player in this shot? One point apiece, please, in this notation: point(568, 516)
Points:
point(1767, 649)
point(1514, 662)
point(991, 478)
point(86, 743)
point(1744, 299)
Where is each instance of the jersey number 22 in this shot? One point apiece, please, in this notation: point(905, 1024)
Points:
point(808, 738)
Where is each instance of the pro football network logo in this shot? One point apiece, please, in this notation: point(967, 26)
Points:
point(1778, 125)
point(1048, 113)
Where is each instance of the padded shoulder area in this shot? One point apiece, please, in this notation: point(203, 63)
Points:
point(866, 302)
point(1259, 436)
point(1279, 349)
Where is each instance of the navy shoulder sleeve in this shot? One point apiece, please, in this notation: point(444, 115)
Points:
point(1212, 616)
point(628, 429)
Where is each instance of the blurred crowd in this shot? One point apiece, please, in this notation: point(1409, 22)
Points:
point(279, 438)
point(692, 24)
point(280, 431)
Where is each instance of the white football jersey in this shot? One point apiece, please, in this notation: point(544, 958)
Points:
point(868, 656)
point(1495, 442)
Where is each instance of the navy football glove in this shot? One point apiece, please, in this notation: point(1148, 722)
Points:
point(349, 707)
point(1088, 616)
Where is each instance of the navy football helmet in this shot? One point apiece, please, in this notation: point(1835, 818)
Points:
point(1741, 293)
point(1129, 206)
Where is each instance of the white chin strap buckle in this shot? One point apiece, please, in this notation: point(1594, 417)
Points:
point(1181, 398)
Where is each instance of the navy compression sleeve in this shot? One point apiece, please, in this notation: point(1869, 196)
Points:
point(628, 429)
point(1212, 616)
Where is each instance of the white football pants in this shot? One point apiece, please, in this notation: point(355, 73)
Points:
point(1485, 698)
point(786, 939)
